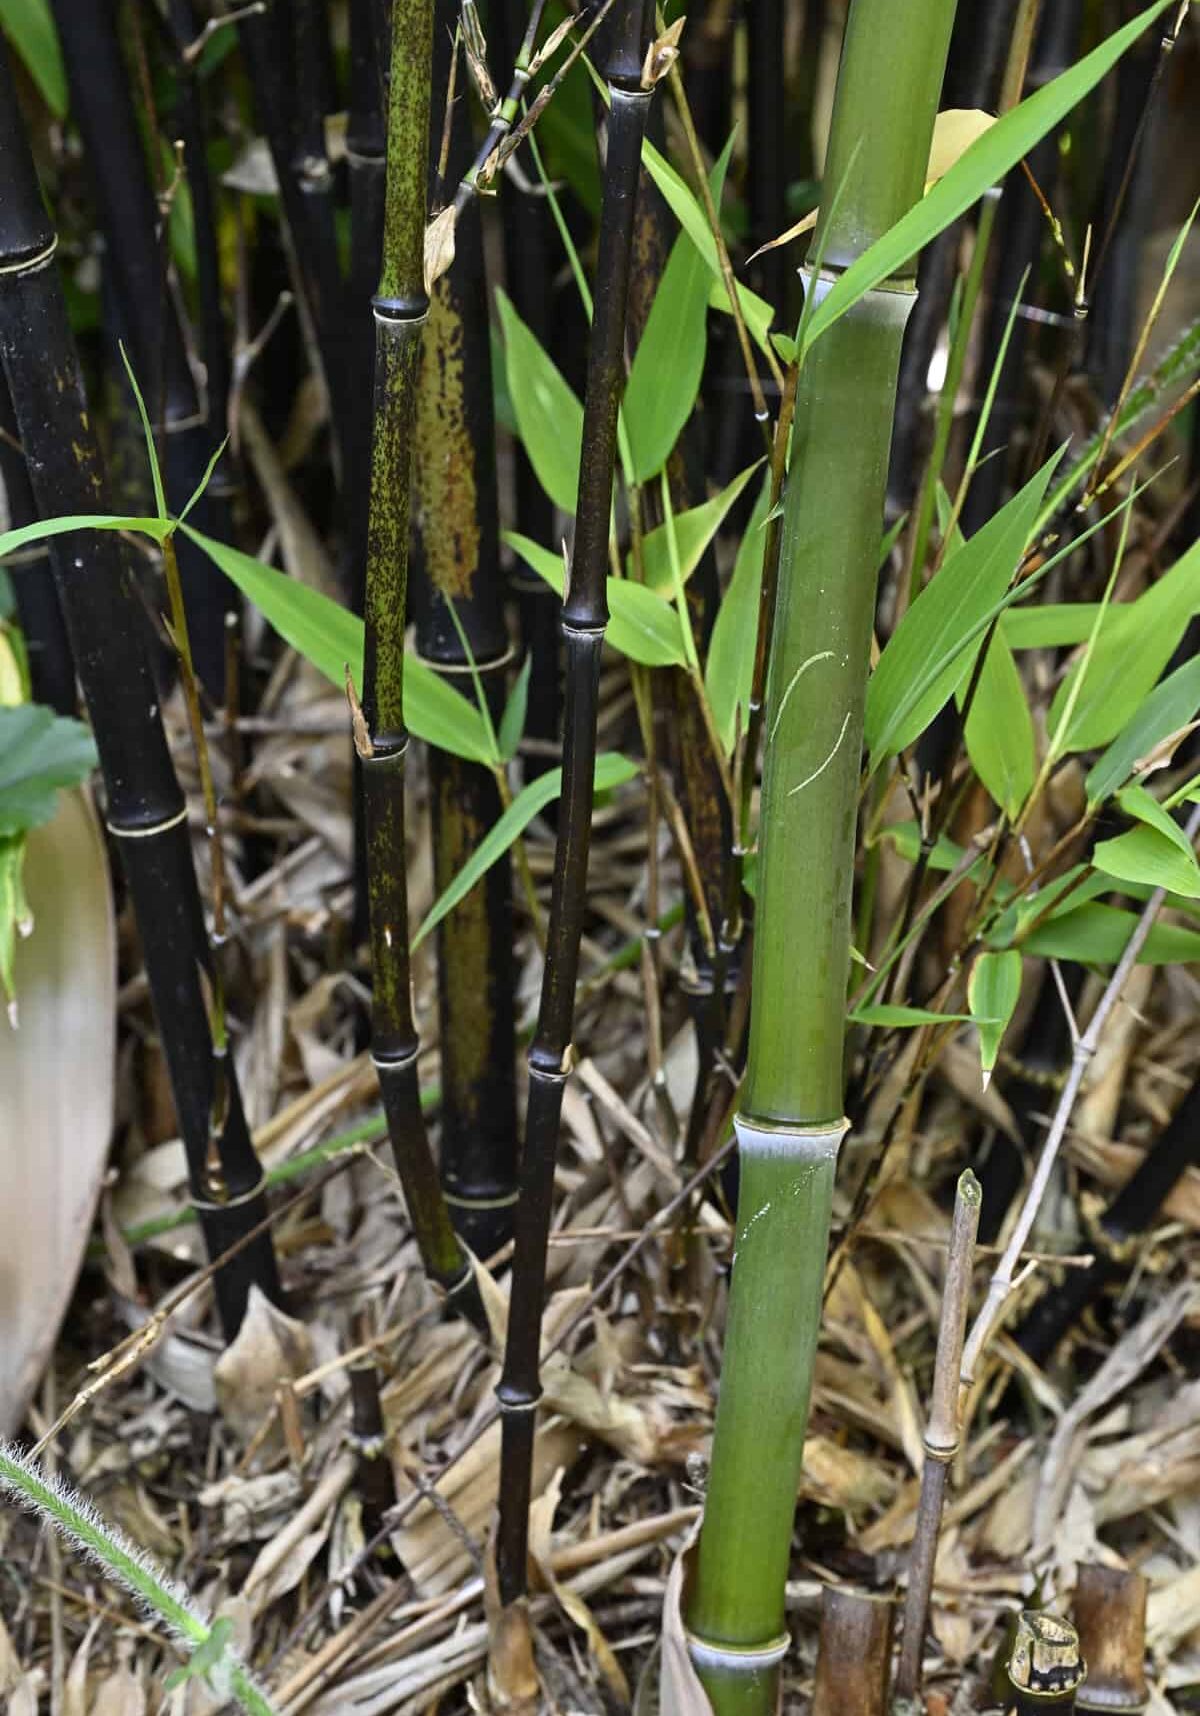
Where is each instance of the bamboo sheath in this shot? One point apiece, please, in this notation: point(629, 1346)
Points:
point(461, 633)
point(145, 807)
point(791, 1124)
point(621, 47)
point(401, 309)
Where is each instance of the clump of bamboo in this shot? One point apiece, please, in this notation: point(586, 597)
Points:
point(401, 308)
point(1109, 1611)
point(854, 1654)
point(1045, 1668)
point(620, 53)
point(128, 216)
point(942, 1434)
point(146, 812)
point(461, 633)
point(791, 1124)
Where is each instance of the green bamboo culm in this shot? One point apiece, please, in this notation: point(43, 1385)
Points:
point(401, 308)
point(791, 1124)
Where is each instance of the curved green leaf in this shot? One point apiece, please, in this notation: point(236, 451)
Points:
point(331, 638)
point(729, 670)
point(29, 26)
point(1148, 856)
point(694, 530)
point(549, 416)
point(612, 770)
point(1170, 707)
point(999, 731)
point(41, 528)
point(642, 625)
point(992, 992)
point(39, 753)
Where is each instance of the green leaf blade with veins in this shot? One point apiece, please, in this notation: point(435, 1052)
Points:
point(330, 637)
point(992, 993)
point(1148, 737)
point(694, 531)
point(729, 669)
point(549, 415)
point(999, 731)
point(40, 752)
point(933, 649)
point(641, 625)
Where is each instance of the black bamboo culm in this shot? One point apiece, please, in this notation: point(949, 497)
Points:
point(621, 47)
point(366, 165)
point(1131, 1212)
point(146, 810)
point(401, 309)
point(461, 633)
point(374, 1477)
point(269, 44)
point(39, 612)
point(529, 280)
point(191, 126)
point(148, 322)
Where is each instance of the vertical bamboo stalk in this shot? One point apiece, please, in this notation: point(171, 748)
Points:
point(128, 216)
point(942, 1434)
point(458, 526)
point(791, 1124)
point(146, 812)
point(854, 1654)
point(621, 49)
point(1109, 1611)
point(51, 666)
point(401, 308)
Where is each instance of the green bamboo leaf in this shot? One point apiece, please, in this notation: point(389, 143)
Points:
point(983, 165)
point(549, 416)
point(331, 638)
point(39, 753)
point(688, 212)
point(1142, 806)
point(512, 722)
point(29, 26)
point(664, 377)
point(1135, 642)
point(729, 670)
point(642, 625)
point(892, 1015)
point(694, 530)
point(612, 770)
point(1097, 935)
point(999, 731)
point(43, 528)
point(933, 649)
point(992, 992)
point(1168, 710)
point(1148, 856)
point(1057, 625)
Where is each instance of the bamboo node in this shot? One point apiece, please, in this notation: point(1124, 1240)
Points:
point(131, 831)
point(799, 1143)
point(745, 1659)
point(32, 263)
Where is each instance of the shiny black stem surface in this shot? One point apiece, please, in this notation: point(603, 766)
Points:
point(146, 812)
point(39, 612)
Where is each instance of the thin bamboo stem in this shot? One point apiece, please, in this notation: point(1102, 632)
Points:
point(401, 308)
point(620, 54)
point(145, 810)
point(942, 1433)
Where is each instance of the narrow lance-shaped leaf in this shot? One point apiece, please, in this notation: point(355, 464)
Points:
point(1145, 739)
point(694, 530)
point(549, 415)
point(642, 625)
point(729, 670)
point(992, 992)
point(999, 731)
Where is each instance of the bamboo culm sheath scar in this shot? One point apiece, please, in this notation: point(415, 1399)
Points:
point(145, 809)
point(622, 42)
point(791, 1122)
point(401, 309)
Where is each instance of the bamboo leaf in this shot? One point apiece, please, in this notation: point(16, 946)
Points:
point(664, 377)
point(1096, 934)
point(1135, 642)
point(1057, 625)
point(1142, 806)
point(999, 731)
point(1148, 856)
point(692, 218)
point(729, 669)
point(892, 1015)
point(331, 637)
point(992, 993)
point(985, 163)
point(512, 722)
point(642, 625)
point(694, 530)
point(29, 26)
point(612, 770)
point(40, 752)
point(43, 528)
point(1166, 711)
point(549, 416)
point(933, 649)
